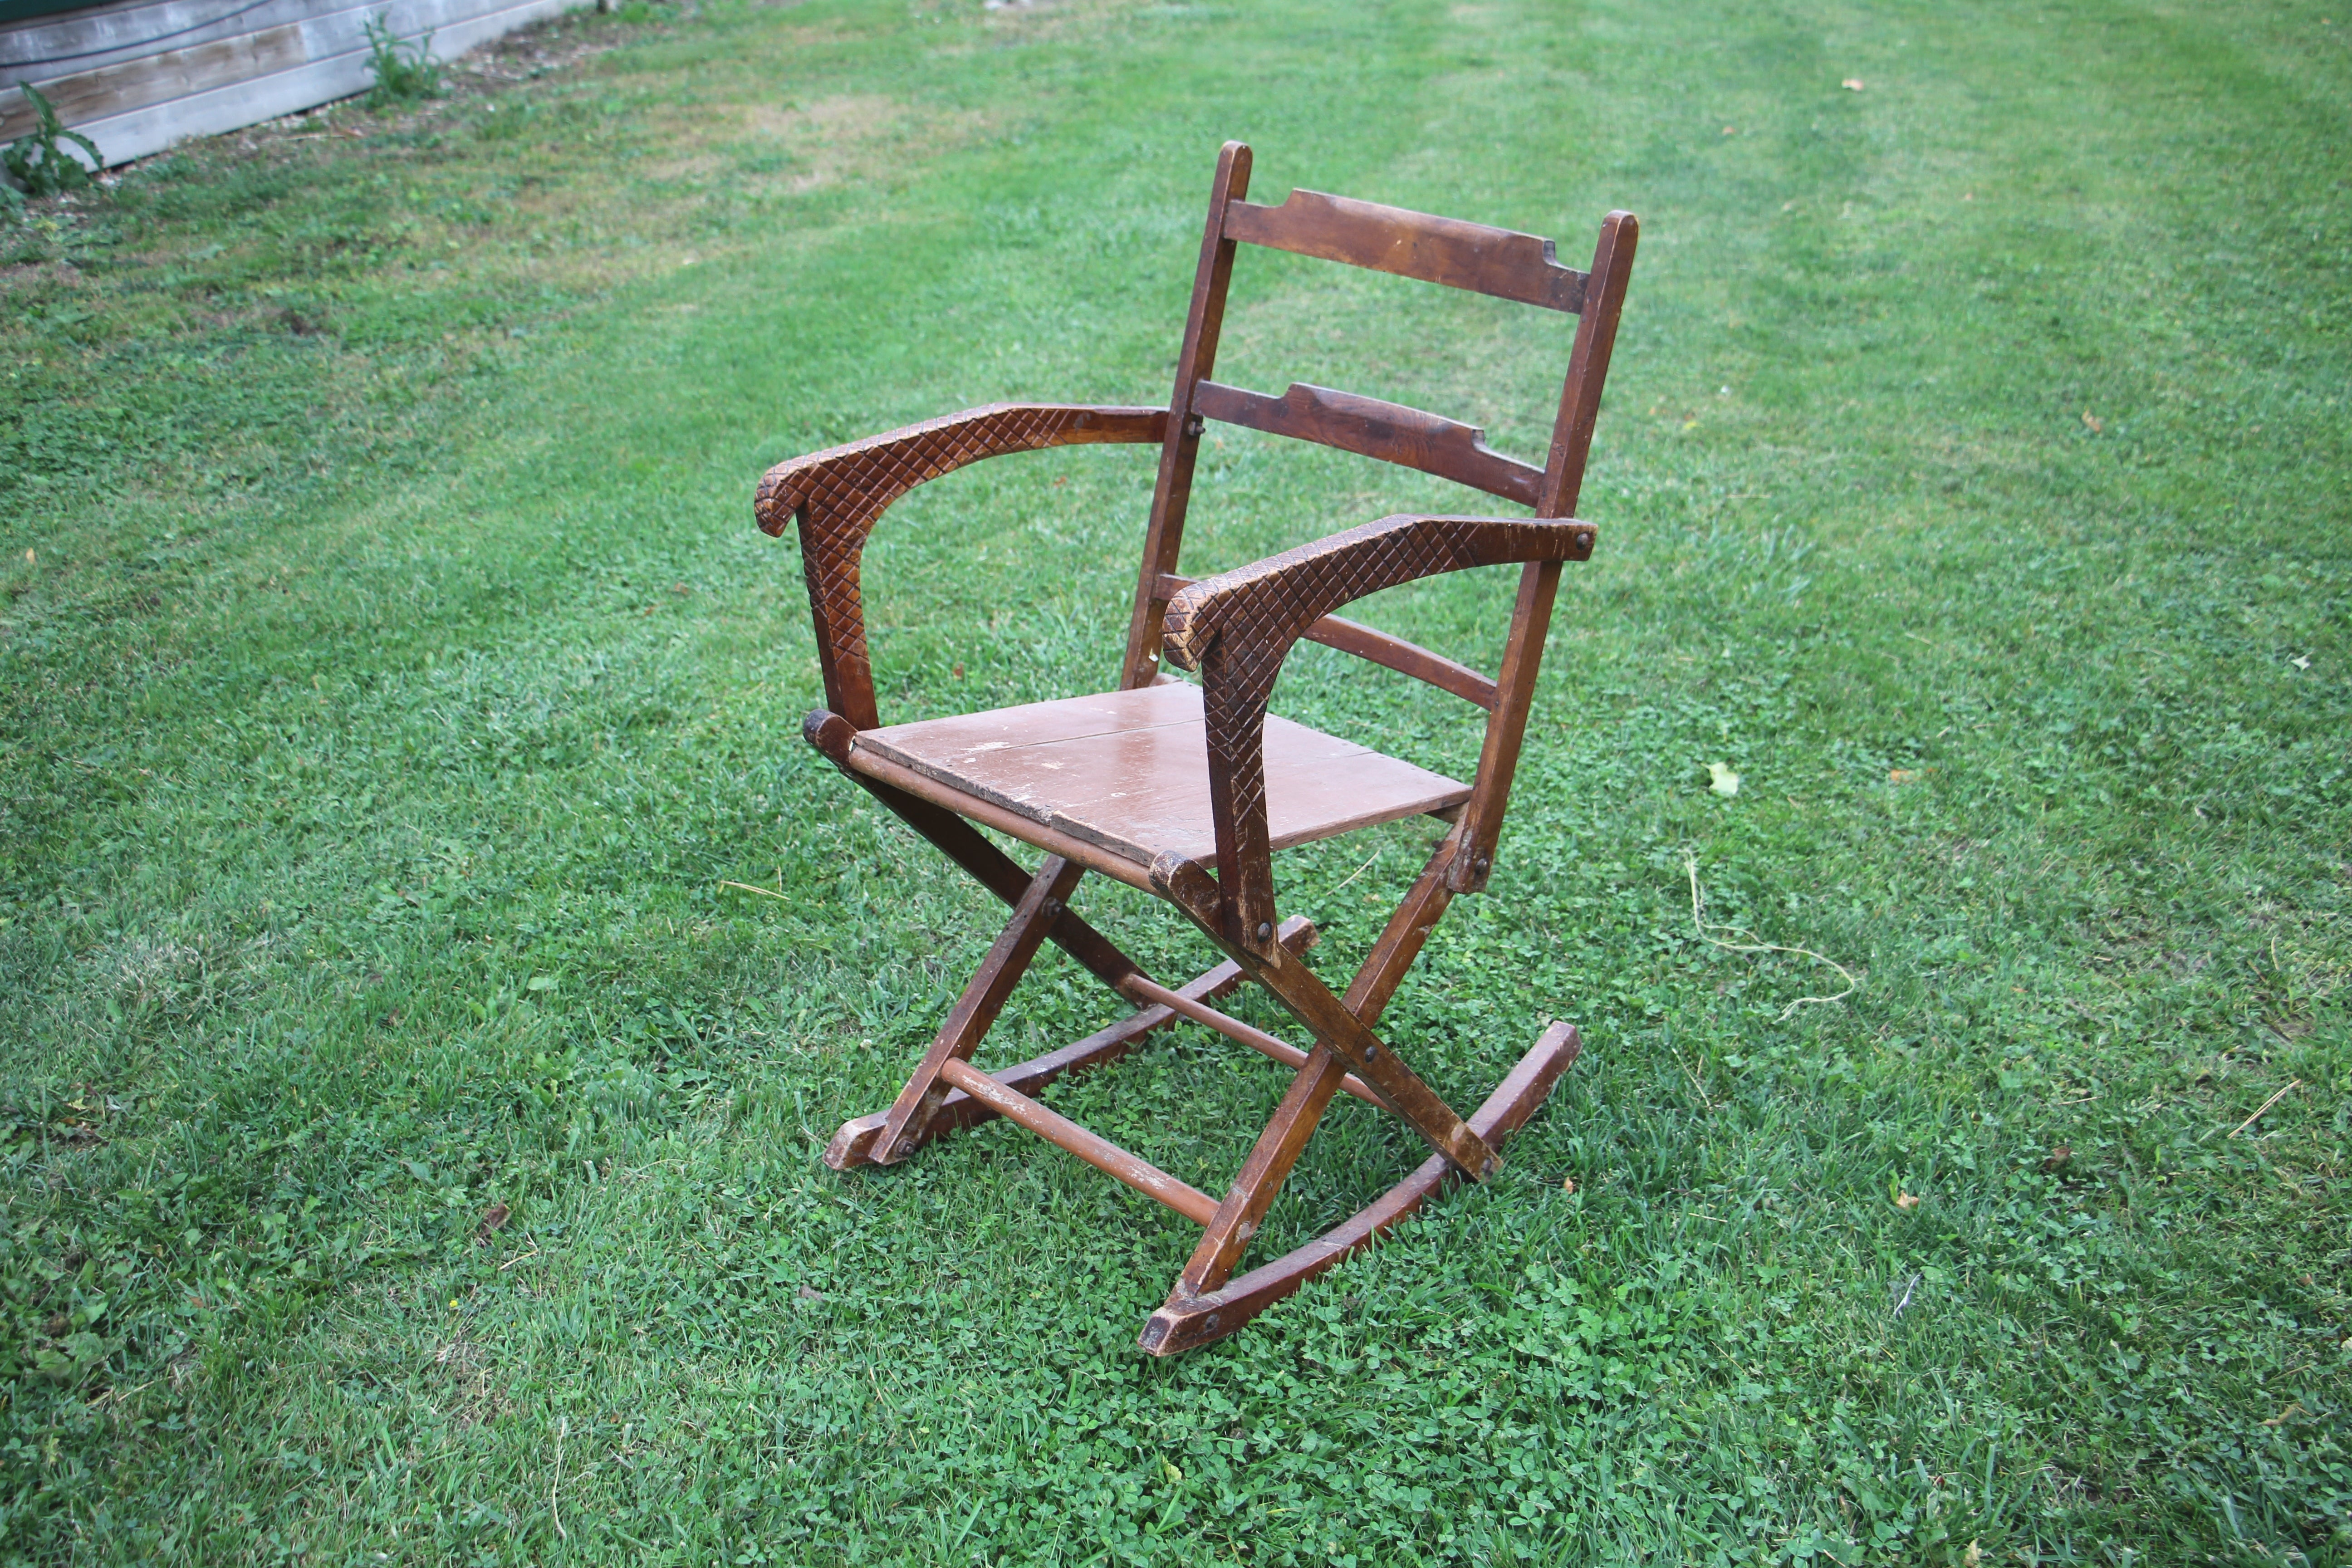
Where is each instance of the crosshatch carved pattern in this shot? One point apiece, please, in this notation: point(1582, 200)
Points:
point(1237, 629)
point(839, 494)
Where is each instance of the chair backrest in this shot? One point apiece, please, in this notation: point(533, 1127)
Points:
point(1495, 261)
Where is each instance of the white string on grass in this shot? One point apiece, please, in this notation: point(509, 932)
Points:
point(1698, 920)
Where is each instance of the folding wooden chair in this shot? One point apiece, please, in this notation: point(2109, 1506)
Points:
point(1186, 791)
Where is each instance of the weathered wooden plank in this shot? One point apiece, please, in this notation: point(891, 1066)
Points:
point(37, 52)
point(335, 65)
point(87, 96)
point(98, 36)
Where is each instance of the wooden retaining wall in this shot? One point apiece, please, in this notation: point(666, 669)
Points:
point(136, 77)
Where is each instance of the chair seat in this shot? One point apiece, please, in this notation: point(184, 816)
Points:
point(1128, 772)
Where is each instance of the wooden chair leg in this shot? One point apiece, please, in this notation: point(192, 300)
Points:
point(1307, 998)
point(1401, 941)
point(983, 997)
point(1206, 1302)
point(1310, 1001)
point(1344, 1041)
point(1337, 1031)
point(1192, 1318)
point(1262, 1175)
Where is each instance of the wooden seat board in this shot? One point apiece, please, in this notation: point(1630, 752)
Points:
point(1128, 772)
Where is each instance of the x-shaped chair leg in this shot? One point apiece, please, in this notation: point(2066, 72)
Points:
point(983, 997)
point(891, 1136)
point(1207, 1302)
point(1344, 1039)
point(1342, 1042)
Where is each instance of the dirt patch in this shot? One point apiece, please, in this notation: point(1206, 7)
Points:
point(846, 136)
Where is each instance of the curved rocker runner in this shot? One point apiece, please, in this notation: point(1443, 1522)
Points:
point(1187, 790)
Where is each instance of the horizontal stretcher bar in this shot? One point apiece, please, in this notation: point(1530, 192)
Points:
point(854, 1143)
point(1100, 1152)
point(1232, 1028)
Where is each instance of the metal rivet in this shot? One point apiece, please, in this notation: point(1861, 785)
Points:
point(1213, 1319)
point(1053, 907)
point(1483, 863)
point(1370, 1051)
point(1264, 929)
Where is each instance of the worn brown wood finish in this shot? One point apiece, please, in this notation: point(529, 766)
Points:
point(1125, 774)
point(976, 1009)
point(1096, 1151)
point(1412, 245)
point(1377, 646)
point(839, 494)
point(879, 772)
point(1346, 1035)
point(991, 868)
point(1371, 429)
point(1259, 1181)
point(1237, 629)
point(1571, 441)
point(1188, 792)
point(1401, 938)
point(1233, 1029)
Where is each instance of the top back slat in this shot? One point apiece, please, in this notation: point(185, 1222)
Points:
point(1497, 261)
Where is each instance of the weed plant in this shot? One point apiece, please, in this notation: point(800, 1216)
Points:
point(410, 1149)
point(37, 163)
point(400, 72)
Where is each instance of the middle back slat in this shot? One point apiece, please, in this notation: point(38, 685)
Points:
point(1389, 431)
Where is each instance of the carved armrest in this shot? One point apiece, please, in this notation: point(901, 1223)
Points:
point(839, 494)
point(1236, 628)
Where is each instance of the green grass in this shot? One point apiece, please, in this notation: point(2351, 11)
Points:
point(393, 674)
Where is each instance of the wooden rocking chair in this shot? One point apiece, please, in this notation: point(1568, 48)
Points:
point(1186, 791)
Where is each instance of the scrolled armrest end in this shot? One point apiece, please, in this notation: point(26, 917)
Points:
point(1237, 629)
point(859, 479)
point(839, 494)
point(1274, 601)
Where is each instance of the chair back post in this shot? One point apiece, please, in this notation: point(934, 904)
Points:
point(1163, 541)
point(1571, 440)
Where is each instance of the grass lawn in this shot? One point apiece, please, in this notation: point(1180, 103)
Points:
point(390, 677)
